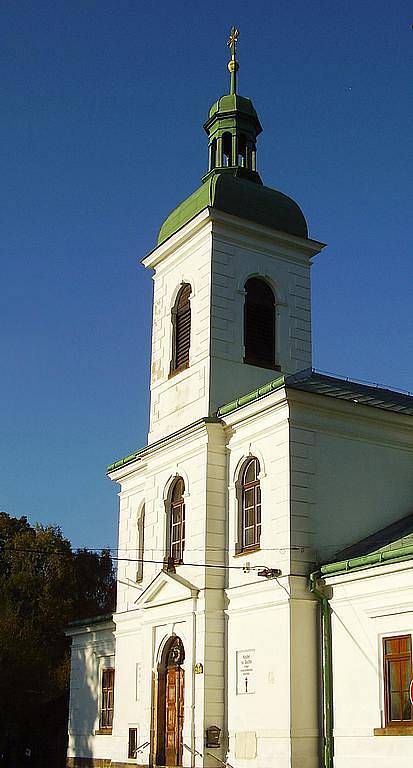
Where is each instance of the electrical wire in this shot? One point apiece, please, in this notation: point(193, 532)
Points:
point(58, 553)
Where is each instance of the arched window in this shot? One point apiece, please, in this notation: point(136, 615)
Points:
point(141, 545)
point(212, 154)
point(259, 323)
point(242, 150)
point(226, 149)
point(176, 523)
point(249, 524)
point(181, 330)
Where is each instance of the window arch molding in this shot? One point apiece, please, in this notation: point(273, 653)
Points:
point(275, 287)
point(253, 452)
point(175, 523)
point(166, 639)
point(248, 504)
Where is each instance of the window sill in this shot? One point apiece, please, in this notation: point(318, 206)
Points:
point(394, 730)
point(262, 364)
point(247, 551)
point(174, 372)
point(103, 732)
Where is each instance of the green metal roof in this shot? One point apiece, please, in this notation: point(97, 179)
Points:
point(233, 102)
point(368, 561)
point(392, 536)
point(308, 380)
point(228, 192)
point(390, 544)
point(317, 383)
point(141, 451)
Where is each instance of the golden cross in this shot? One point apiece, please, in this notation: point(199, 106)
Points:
point(232, 42)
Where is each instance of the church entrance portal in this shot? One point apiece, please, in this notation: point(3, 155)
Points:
point(170, 704)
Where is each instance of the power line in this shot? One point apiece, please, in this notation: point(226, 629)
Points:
point(58, 553)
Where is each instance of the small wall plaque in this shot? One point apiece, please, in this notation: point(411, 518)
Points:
point(198, 669)
point(212, 736)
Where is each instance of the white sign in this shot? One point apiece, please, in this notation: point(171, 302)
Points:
point(246, 671)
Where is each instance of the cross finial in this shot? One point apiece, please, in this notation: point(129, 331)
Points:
point(233, 65)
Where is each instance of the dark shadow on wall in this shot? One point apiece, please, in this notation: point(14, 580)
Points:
point(84, 704)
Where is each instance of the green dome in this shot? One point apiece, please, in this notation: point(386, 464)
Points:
point(232, 102)
point(229, 193)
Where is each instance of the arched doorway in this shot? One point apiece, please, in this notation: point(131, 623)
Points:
point(170, 704)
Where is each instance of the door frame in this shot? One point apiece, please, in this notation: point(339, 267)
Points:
point(174, 643)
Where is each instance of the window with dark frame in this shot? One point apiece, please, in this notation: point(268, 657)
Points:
point(177, 522)
point(132, 742)
point(141, 546)
point(397, 660)
point(250, 507)
point(106, 709)
point(181, 330)
point(259, 323)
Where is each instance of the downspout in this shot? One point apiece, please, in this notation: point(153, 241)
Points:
point(326, 660)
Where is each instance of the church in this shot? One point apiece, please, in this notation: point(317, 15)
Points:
point(264, 613)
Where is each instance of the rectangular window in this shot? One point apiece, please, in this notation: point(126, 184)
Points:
point(397, 659)
point(132, 742)
point(106, 709)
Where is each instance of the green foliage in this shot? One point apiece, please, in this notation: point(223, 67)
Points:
point(43, 586)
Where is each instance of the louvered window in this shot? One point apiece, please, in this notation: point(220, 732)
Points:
point(259, 323)
point(181, 322)
point(250, 532)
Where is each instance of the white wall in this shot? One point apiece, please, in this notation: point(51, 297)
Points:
point(277, 621)
point(367, 606)
point(241, 250)
point(93, 649)
point(216, 254)
point(350, 471)
point(191, 603)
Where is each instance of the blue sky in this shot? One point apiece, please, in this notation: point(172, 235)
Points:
point(101, 136)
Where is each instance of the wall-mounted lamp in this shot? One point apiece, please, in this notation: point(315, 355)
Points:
point(270, 573)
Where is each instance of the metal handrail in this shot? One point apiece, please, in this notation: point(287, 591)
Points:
point(199, 754)
point(141, 747)
point(193, 752)
point(223, 762)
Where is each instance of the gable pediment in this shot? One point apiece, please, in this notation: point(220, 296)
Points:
point(166, 588)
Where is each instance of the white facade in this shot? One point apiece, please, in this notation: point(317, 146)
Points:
point(367, 606)
point(216, 254)
point(332, 469)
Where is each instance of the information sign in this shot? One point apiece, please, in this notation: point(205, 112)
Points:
point(246, 671)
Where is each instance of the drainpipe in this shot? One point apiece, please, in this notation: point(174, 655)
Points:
point(328, 739)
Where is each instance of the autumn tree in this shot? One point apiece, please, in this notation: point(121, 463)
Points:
point(44, 585)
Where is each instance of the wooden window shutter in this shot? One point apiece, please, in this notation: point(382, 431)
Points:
point(181, 321)
point(259, 323)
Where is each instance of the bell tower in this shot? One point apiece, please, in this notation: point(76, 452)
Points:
point(239, 253)
point(232, 128)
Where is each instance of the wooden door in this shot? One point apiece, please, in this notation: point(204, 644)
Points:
point(174, 715)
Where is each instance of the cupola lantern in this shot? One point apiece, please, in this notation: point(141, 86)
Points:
point(232, 128)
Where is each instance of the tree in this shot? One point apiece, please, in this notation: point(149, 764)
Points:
point(43, 586)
